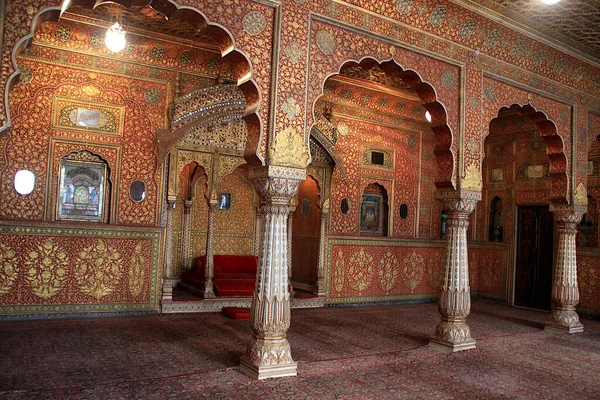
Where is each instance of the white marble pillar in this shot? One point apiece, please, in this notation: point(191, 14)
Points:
point(452, 332)
point(268, 354)
point(187, 233)
point(293, 205)
point(565, 292)
point(321, 290)
point(258, 223)
point(167, 284)
point(209, 270)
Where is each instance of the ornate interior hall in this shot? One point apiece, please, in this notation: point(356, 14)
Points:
point(319, 172)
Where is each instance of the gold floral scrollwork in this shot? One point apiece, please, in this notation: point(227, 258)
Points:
point(413, 270)
point(338, 272)
point(47, 270)
point(589, 275)
point(99, 269)
point(360, 272)
point(580, 198)
point(472, 180)
point(136, 271)
point(436, 271)
point(8, 268)
point(388, 271)
point(288, 150)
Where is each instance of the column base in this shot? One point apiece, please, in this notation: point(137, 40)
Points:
point(320, 289)
point(564, 320)
point(452, 336)
point(209, 295)
point(267, 371)
point(167, 290)
point(449, 347)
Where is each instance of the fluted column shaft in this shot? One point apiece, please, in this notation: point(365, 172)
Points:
point(268, 354)
point(565, 291)
point(452, 332)
point(187, 222)
point(322, 247)
point(258, 223)
point(292, 209)
point(209, 270)
point(167, 286)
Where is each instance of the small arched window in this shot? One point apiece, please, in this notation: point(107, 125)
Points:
point(374, 211)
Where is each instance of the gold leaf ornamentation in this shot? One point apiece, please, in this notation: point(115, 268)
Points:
point(360, 272)
point(472, 180)
point(136, 271)
point(436, 271)
point(8, 268)
point(47, 270)
point(99, 269)
point(388, 271)
point(413, 270)
point(288, 150)
point(580, 198)
point(338, 272)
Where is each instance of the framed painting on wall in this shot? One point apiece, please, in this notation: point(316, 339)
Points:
point(370, 214)
point(81, 191)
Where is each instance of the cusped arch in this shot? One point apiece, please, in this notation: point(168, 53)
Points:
point(170, 10)
point(555, 148)
point(429, 100)
point(189, 177)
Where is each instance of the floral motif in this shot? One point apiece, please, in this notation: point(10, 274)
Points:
point(294, 52)
point(325, 42)
point(136, 271)
point(338, 272)
point(360, 271)
point(47, 270)
point(448, 79)
point(153, 95)
point(158, 52)
point(438, 16)
point(404, 6)
point(291, 108)
point(8, 268)
point(389, 267)
point(413, 270)
point(467, 28)
point(99, 269)
point(436, 271)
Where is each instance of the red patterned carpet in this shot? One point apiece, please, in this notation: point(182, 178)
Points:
point(342, 353)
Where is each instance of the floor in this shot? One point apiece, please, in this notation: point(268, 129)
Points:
point(343, 353)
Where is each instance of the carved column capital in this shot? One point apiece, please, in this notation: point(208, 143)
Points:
point(567, 213)
point(459, 203)
point(277, 184)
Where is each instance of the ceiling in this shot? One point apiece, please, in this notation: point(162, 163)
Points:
point(575, 23)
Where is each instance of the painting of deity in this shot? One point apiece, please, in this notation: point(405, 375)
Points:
point(82, 189)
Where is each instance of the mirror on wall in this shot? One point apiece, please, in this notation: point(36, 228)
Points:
point(345, 206)
point(24, 182)
point(403, 211)
point(137, 191)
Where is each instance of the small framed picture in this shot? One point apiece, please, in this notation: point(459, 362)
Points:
point(82, 189)
point(225, 201)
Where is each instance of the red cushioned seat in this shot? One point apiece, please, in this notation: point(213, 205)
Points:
point(234, 275)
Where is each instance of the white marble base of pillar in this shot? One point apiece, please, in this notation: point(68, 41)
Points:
point(451, 337)
point(275, 360)
point(564, 320)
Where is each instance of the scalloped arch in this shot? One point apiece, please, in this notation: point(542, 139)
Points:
point(429, 100)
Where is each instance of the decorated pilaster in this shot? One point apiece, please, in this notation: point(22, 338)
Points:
point(187, 221)
point(167, 285)
point(565, 292)
point(209, 271)
point(293, 205)
point(322, 247)
point(268, 354)
point(452, 332)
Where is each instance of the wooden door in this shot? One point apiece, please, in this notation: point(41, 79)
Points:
point(533, 281)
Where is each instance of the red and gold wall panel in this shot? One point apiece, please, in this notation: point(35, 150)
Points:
point(588, 275)
point(70, 269)
point(487, 266)
point(363, 270)
point(306, 229)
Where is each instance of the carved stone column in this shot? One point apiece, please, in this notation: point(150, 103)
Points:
point(167, 285)
point(322, 248)
point(565, 292)
point(209, 271)
point(258, 222)
point(452, 332)
point(268, 354)
point(293, 205)
point(187, 232)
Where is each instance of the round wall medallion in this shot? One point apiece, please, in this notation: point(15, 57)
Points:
point(63, 32)
point(158, 52)
point(539, 58)
point(448, 79)
point(488, 90)
point(404, 6)
point(493, 40)
point(26, 74)
point(96, 40)
point(467, 28)
point(325, 42)
point(517, 49)
point(438, 16)
point(254, 23)
point(186, 57)
point(153, 95)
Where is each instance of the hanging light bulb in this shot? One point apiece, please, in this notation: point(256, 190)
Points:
point(549, 2)
point(115, 38)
